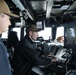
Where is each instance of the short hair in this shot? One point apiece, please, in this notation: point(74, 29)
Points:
point(32, 28)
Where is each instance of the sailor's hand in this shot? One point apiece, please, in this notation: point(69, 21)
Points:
point(55, 59)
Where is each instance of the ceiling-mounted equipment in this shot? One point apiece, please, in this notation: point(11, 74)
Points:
point(21, 7)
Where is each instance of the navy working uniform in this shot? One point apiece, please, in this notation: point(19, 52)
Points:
point(26, 56)
point(5, 68)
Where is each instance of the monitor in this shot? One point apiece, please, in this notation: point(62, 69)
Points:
point(70, 35)
point(40, 24)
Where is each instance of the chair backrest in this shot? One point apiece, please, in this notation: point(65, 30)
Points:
point(12, 39)
point(11, 43)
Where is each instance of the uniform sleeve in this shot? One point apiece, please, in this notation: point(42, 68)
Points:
point(34, 57)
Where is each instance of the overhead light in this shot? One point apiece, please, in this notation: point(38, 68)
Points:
point(49, 8)
point(18, 4)
point(72, 6)
point(48, 11)
point(64, 7)
point(29, 15)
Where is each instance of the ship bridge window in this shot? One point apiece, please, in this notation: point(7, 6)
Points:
point(60, 32)
point(18, 30)
point(46, 33)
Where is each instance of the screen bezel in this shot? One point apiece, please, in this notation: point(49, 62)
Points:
point(69, 25)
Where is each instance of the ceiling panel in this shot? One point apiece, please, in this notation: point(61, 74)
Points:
point(38, 8)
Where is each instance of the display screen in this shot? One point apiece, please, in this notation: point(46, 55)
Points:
point(70, 35)
point(40, 24)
